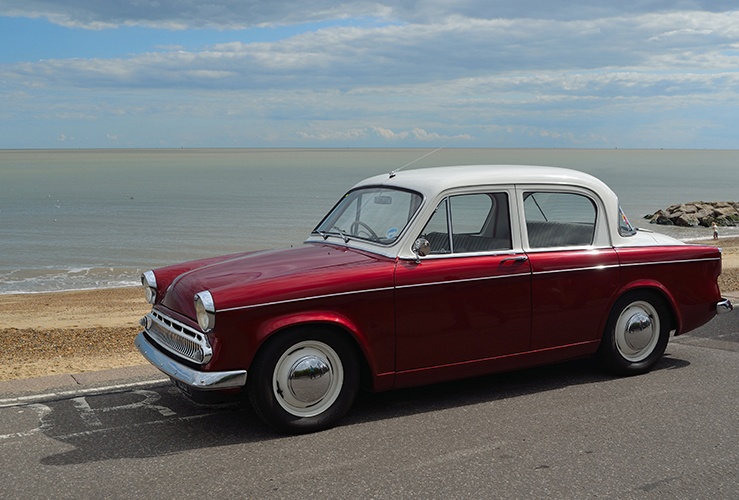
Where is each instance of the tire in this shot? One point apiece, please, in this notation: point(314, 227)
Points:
point(304, 380)
point(636, 333)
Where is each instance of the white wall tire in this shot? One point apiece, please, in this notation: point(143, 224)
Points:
point(307, 379)
point(304, 380)
point(636, 333)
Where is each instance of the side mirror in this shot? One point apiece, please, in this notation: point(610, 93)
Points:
point(421, 247)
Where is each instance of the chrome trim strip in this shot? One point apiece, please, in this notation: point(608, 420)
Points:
point(206, 381)
point(724, 306)
point(288, 301)
point(466, 255)
point(567, 248)
point(669, 262)
point(466, 280)
point(591, 268)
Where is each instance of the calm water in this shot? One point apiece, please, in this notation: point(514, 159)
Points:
point(72, 219)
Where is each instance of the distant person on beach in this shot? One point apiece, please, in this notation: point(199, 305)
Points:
point(715, 231)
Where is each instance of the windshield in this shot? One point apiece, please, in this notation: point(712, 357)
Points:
point(373, 214)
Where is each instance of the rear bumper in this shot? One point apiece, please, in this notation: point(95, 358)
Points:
point(724, 306)
point(204, 381)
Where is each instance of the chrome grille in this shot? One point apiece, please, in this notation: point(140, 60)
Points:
point(178, 338)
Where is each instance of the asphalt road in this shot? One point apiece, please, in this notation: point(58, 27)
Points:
point(567, 431)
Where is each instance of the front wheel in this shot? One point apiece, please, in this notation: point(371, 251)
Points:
point(304, 380)
point(636, 334)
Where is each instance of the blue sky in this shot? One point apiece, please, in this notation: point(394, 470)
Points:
point(366, 73)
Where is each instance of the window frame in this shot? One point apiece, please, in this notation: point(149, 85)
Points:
point(600, 239)
point(508, 192)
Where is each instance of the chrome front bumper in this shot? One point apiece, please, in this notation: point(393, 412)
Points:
point(204, 381)
point(724, 306)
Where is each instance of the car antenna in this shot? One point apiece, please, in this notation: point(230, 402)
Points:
point(393, 172)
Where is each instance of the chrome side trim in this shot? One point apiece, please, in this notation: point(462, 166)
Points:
point(205, 381)
point(575, 269)
point(669, 262)
point(312, 297)
point(464, 255)
point(467, 280)
point(724, 306)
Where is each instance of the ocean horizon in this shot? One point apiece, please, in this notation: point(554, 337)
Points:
point(73, 219)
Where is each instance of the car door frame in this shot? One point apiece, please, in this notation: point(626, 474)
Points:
point(431, 342)
point(572, 286)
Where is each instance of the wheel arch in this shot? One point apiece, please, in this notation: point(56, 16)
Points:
point(337, 324)
point(655, 288)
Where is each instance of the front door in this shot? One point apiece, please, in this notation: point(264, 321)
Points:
point(469, 301)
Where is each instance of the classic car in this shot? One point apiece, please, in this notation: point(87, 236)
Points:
point(428, 275)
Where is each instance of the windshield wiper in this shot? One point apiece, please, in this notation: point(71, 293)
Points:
point(342, 233)
point(326, 234)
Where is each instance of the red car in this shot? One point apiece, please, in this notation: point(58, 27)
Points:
point(422, 276)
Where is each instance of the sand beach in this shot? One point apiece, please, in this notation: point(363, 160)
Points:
point(81, 331)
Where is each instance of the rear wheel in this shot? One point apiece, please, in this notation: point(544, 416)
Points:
point(636, 333)
point(304, 380)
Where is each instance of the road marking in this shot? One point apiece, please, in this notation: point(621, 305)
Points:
point(51, 396)
point(89, 415)
point(92, 416)
point(42, 411)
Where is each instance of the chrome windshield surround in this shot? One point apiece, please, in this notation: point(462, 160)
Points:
point(177, 338)
point(366, 216)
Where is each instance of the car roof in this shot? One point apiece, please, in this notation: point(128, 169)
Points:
point(430, 181)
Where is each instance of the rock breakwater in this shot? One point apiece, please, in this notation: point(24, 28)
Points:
point(698, 213)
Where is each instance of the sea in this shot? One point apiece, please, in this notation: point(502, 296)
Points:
point(85, 219)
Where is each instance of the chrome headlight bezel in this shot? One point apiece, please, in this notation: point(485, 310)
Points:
point(205, 311)
point(149, 282)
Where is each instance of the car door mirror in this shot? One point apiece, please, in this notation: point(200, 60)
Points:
point(421, 248)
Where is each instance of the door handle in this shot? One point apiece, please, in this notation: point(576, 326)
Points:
point(517, 258)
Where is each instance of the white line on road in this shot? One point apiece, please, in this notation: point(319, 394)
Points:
point(51, 396)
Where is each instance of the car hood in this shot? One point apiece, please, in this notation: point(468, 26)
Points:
point(277, 275)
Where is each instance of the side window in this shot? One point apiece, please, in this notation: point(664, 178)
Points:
point(559, 219)
point(478, 223)
point(437, 230)
point(470, 212)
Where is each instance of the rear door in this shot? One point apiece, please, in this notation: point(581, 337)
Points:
point(575, 270)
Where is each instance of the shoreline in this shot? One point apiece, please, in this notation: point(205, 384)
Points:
point(61, 332)
point(78, 331)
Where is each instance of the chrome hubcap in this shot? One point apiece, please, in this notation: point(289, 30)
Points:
point(308, 378)
point(637, 331)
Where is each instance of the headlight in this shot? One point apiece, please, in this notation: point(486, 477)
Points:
point(205, 310)
point(149, 281)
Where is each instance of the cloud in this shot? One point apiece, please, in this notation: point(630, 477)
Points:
point(404, 72)
point(240, 14)
point(380, 132)
point(348, 58)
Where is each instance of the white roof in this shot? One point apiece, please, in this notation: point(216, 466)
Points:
point(431, 181)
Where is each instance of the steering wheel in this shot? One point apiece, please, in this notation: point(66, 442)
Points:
point(358, 227)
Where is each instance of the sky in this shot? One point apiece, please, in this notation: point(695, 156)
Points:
point(369, 73)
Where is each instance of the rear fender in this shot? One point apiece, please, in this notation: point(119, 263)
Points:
point(648, 285)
